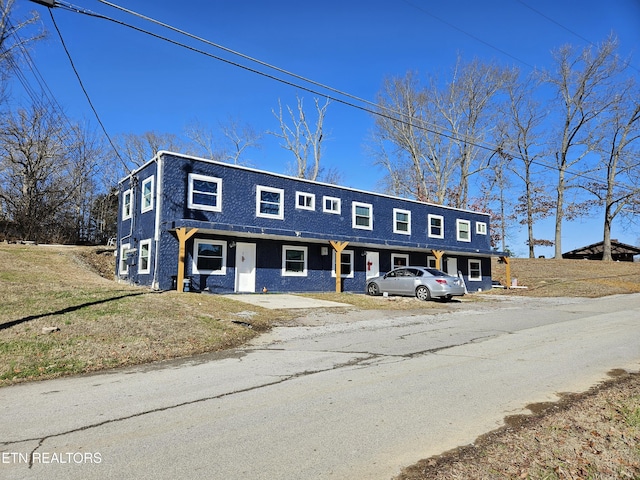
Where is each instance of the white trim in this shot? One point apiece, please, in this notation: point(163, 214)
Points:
point(351, 263)
point(460, 222)
point(127, 216)
point(354, 216)
point(144, 198)
point(147, 270)
point(306, 196)
point(280, 203)
point(290, 273)
point(481, 228)
point(222, 244)
point(397, 211)
point(434, 216)
point(335, 202)
point(475, 278)
point(217, 195)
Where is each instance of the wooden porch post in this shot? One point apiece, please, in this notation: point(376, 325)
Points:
point(183, 235)
point(507, 266)
point(438, 254)
point(338, 247)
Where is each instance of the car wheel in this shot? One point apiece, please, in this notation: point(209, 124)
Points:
point(373, 290)
point(423, 293)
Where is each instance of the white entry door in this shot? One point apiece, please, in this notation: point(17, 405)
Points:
point(245, 267)
point(373, 264)
point(452, 266)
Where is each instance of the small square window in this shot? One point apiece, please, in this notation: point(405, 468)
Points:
point(401, 221)
point(481, 228)
point(399, 260)
point(305, 201)
point(127, 197)
point(205, 193)
point(147, 195)
point(362, 216)
point(436, 226)
point(331, 205)
point(270, 202)
point(463, 228)
point(294, 261)
point(475, 270)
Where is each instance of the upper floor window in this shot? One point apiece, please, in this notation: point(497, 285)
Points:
point(481, 228)
point(294, 261)
point(436, 226)
point(362, 215)
point(270, 202)
point(401, 221)
point(147, 195)
point(144, 259)
point(205, 193)
point(210, 257)
point(127, 198)
point(463, 228)
point(331, 205)
point(305, 201)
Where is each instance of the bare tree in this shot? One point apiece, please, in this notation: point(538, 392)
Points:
point(237, 139)
point(582, 81)
point(303, 139)
point(620, 159)
point(138, 149)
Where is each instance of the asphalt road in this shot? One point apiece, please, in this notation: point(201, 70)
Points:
point(342, 396)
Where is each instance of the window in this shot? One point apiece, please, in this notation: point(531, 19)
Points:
point(205, 193)
point(401, 221)
point(399, 260)
point(481, 228)
point(346, 264)
point(436, 226)
point(124, 265)
point(210, 257)
point(294, 261)
point(464, 230)
point(431, 261)
point(475, 270)
point(270, 202)
point(144, 259)
point(147, 195)
point(331, 205)
point(127, 198)
point(305, 201)
point(362, 215)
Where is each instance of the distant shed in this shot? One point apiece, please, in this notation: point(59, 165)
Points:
point(620, 252)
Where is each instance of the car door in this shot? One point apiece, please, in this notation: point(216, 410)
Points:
point(389, 283)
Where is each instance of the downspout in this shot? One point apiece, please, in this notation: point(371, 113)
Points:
point(158, 204)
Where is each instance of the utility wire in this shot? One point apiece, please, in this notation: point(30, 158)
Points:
point(84, 90)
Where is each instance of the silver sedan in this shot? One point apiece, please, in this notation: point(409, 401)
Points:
point(424, 283)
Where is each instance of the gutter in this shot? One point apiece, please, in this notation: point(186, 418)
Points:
point(158, 206)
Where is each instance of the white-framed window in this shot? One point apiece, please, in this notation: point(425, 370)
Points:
point(481, 228)
point(346, 264)
point(463, 229)
point(305, 201)
point(146, 203)
point(144, 257)
point(401, 221)
point(331, 205)
point(209, 257)
point(205, 193)
point(269, 202)
point(123, 268)
point(127, 199)
point(294, 261)
point(399, 260)
point(475, 270)
point(436, 226)
point(431, 261)
point(362, 215)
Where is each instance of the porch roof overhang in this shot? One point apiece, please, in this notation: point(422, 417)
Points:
point(244, 231)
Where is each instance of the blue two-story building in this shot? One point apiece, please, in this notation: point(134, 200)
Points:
point(227, 228)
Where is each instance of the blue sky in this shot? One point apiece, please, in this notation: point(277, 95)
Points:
point(138, 83)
